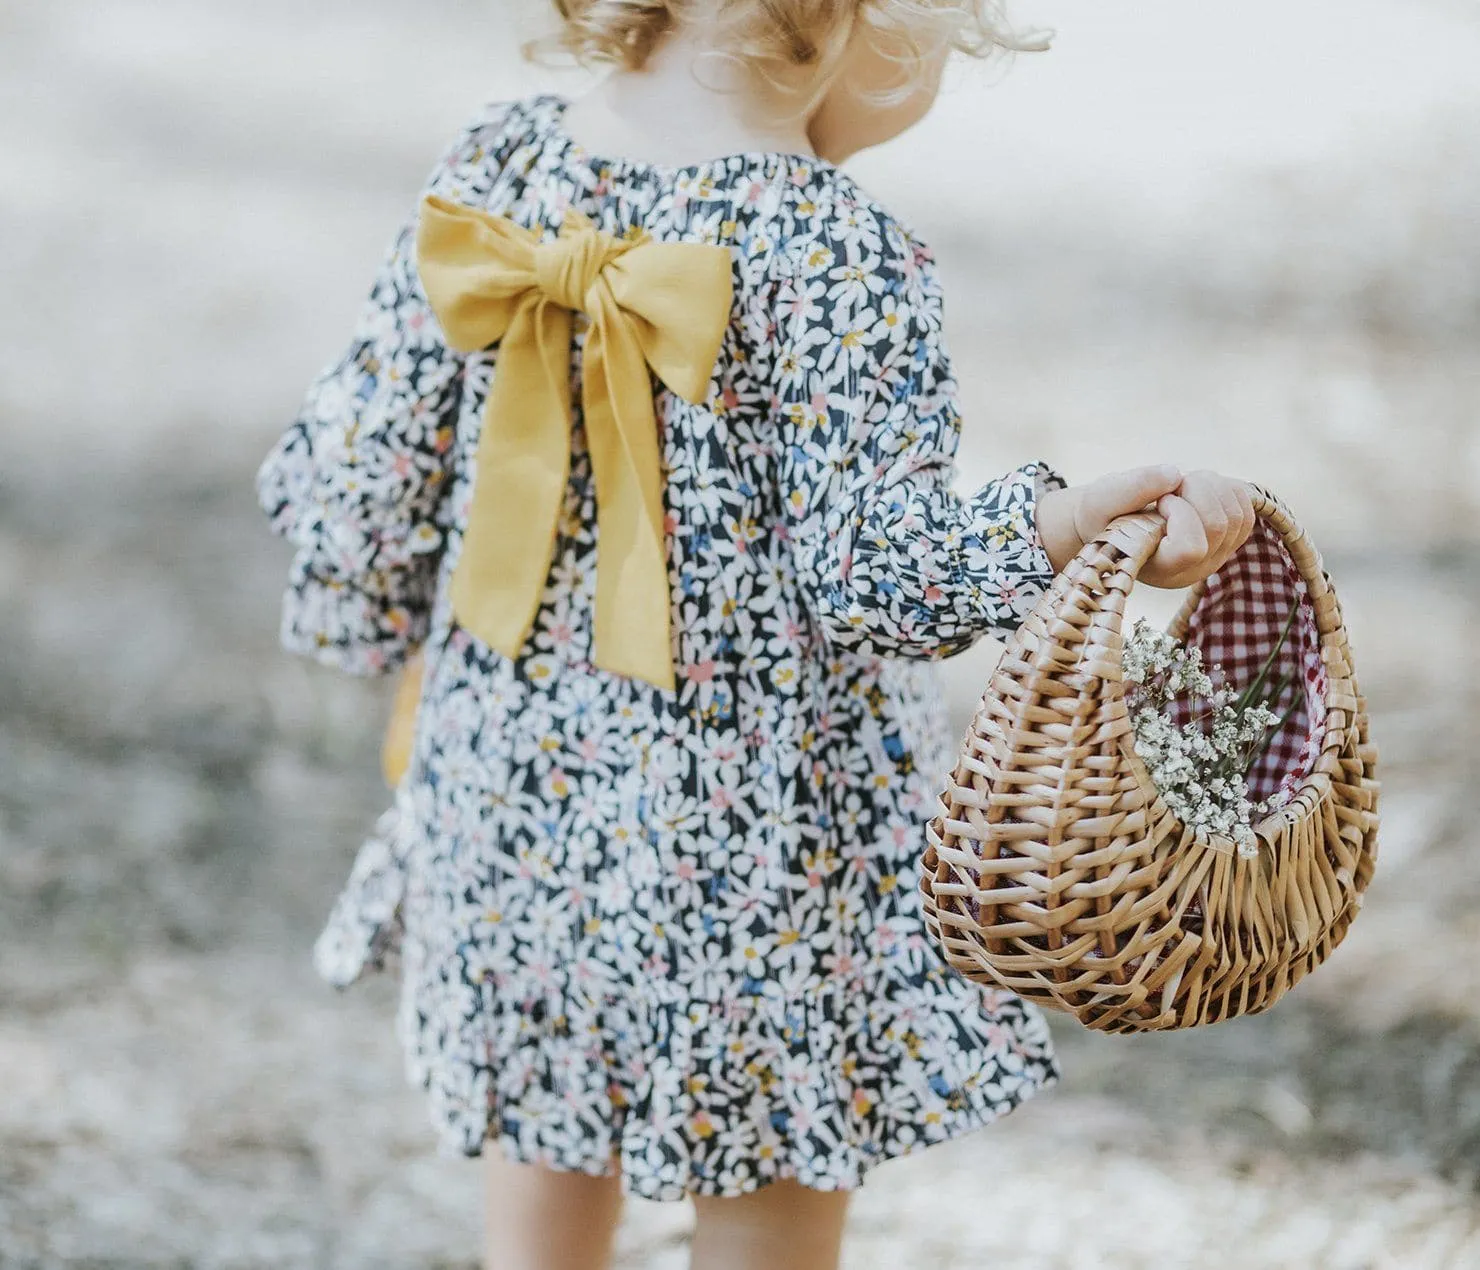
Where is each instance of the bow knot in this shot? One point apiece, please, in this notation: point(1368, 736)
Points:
point(567, 267)
point(659, 305)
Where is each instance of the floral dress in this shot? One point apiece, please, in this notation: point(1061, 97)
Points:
point(676, 934)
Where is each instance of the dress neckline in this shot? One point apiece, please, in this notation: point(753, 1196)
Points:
point(756, 162)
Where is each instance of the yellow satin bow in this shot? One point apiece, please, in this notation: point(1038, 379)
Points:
point(664, 305)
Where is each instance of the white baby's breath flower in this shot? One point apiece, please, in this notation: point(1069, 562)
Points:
point(1275, 801)
point(1248, 841)
point(1197, 766)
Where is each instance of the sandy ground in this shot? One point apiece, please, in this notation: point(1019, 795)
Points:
point(1260, 257)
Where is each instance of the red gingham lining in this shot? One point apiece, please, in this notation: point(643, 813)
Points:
point(1236, 622)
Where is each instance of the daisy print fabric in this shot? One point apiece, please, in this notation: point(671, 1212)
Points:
point(675, 934)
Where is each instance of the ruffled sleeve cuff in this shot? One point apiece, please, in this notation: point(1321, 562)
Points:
point(1004, 568)
point(353, 630)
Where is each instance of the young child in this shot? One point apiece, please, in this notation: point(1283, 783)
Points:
point(645, 441)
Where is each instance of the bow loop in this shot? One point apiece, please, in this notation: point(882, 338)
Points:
point(475, 269)
point(664, 305)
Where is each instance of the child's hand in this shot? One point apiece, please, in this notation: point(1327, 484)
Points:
point(1209, 516)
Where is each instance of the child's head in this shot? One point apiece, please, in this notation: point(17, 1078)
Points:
point(861, 70)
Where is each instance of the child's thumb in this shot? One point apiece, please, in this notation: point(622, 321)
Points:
point(1121, 493)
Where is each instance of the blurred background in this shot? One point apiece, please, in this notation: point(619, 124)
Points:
point(1244, 236)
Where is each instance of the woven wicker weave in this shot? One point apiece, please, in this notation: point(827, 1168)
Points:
point(1055, 870)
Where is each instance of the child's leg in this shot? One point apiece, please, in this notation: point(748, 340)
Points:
point(540, 1219)
point(783, 1226)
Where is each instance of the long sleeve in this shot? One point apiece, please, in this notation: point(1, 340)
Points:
point(358, 482)
point(893, 560)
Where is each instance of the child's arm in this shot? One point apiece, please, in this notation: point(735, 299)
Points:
point(893, 560)
point(358, 482)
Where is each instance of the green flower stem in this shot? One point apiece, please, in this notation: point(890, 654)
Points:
point(1253, 688)
point(1274, 732)
point(1280, 686)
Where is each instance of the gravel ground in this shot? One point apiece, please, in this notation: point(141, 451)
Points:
point(199, 194)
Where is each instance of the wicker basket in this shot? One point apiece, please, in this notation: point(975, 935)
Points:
point(1055, 869)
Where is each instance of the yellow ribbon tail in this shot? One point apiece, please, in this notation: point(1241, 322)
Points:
point(400, 732)
point(633, 618)
point(523, 464)
point(475, 269)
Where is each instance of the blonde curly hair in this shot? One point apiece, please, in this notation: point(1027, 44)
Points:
point(778, 38)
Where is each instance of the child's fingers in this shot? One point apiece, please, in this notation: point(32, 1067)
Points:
point(1185, 545)
point(1204, 491)
point(1238, 514)
point(1233, 536)
point(1244, 503)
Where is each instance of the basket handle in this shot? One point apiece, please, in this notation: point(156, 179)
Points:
point(1105, 569)
point(1137, 535)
